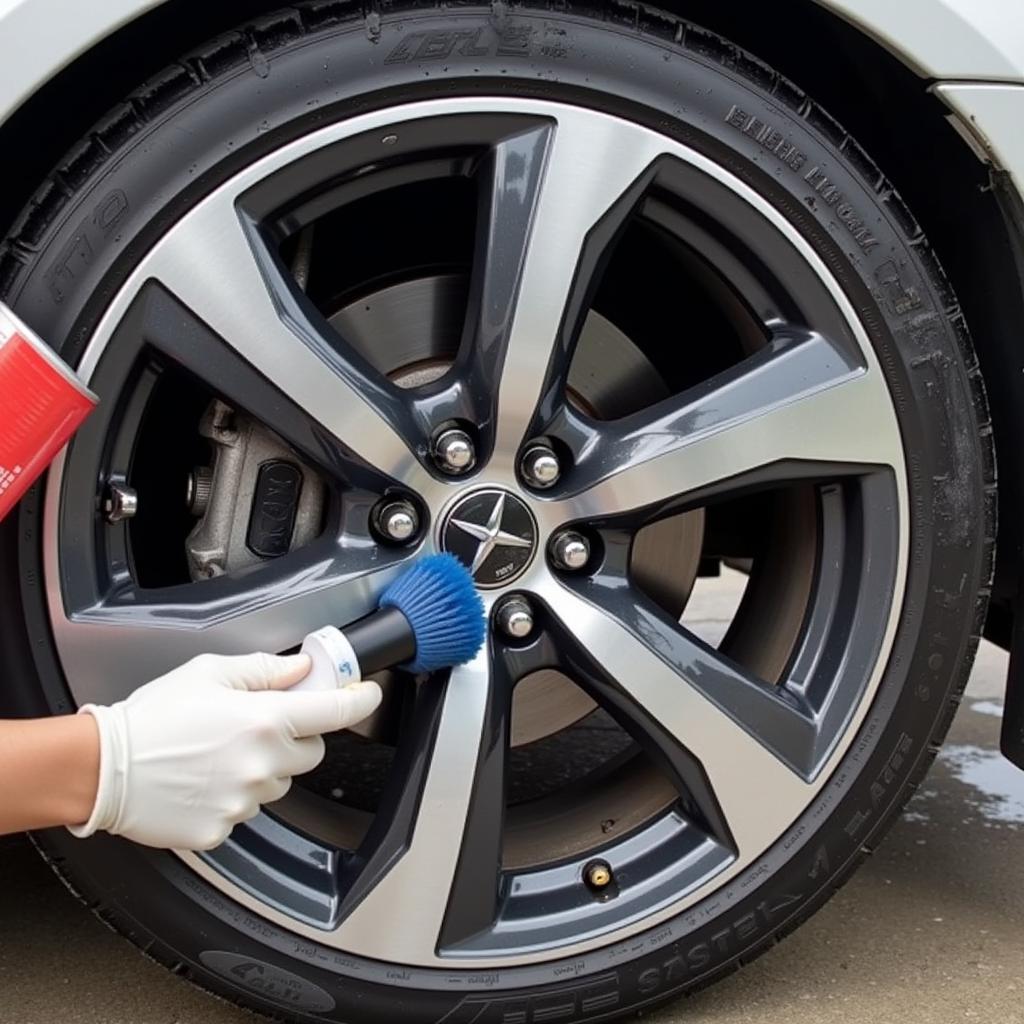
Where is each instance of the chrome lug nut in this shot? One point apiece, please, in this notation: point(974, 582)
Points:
point(540, 466)
point(515, 617)
point(398, 520)
point(570, 550)
point(120, 502)
point(454, 451)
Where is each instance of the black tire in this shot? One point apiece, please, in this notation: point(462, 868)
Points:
point(245, 94)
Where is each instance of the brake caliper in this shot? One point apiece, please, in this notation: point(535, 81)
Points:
point(256, 501)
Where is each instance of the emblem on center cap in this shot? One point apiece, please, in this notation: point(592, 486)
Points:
point(493, 534)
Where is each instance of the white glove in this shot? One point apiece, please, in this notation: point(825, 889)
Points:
point(189, 755)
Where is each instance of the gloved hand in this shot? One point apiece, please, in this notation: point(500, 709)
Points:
point(189, 755)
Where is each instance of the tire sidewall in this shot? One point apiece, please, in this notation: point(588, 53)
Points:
point(200, 140)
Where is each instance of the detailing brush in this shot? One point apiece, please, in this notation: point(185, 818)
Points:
point(430, 617)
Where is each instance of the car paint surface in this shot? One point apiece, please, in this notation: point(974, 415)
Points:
point(945, 39)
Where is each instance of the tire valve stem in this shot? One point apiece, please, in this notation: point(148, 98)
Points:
point(598, 876)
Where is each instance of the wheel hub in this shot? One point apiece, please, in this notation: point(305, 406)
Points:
point(606, 367)
point(493, 533)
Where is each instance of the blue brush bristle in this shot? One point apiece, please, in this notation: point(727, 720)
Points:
point(439, 599)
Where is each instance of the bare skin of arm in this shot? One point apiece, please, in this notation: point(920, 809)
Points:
point(50, 771)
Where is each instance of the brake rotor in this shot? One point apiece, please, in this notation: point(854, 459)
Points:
point(410, 332)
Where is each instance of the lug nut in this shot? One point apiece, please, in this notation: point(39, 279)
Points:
point(454, 451)
point(570, 550)
point(199, 489)
point(598, 874)
point(398, 520)
point(120, 502)
point(515, 617)
point(540, 466)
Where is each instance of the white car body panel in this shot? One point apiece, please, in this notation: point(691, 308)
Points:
point(950, 41)
point(40, 37)
point(945, 39)
point(994, 114)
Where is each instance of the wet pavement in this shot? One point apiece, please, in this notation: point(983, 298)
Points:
point(929, 931)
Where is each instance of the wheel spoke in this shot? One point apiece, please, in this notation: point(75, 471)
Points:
point(595, 173)
point(798, 408)
point(444, 884)
point(779, 719)
point(135, 635)
point(646, 681)
point(510, 181)
point(161, 321)
point(242, 295)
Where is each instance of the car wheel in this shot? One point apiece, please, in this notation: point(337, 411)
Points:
point(598, 304)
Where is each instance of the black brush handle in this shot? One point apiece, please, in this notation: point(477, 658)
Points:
point(382, 640)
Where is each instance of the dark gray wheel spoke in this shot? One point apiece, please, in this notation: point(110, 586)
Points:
point(474, 899)
point(681, 767)
point(742, 773)
point(510, 182)
point(389, 836)
point(593, 176)
point(242, 296)
point(456, 837)
point(798, 408)
point(161, 321)
point(134, 635)
point(775, 717)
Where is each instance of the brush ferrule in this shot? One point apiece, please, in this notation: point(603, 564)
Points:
point(381, 640)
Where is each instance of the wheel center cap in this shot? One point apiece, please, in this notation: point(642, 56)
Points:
point(493, 533)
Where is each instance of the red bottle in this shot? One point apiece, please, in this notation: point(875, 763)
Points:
point(42, 403)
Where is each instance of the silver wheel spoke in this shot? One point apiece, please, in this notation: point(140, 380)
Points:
point(742, 774)
point(421, 887)
point(242, 297)
point(593, 168)
point(116, 647)
point(799, 407)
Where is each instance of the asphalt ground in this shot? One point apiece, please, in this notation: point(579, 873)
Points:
point(929, 931)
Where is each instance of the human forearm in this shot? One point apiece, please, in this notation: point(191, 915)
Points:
point(50, 770)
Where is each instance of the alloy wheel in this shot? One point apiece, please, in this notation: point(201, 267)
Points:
point(724, 747)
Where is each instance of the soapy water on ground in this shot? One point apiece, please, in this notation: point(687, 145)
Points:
point(988, 707)
point(998, 784)
point(996, 787)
